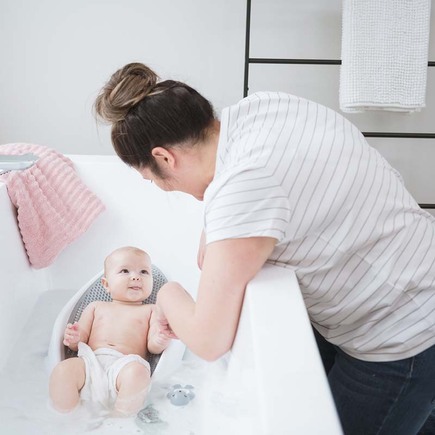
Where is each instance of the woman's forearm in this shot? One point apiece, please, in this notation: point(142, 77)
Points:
point(203, 335)
point(209, 325)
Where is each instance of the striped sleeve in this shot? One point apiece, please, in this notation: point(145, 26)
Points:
point(246, 202)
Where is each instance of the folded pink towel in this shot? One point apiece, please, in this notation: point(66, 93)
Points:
point(54, 207)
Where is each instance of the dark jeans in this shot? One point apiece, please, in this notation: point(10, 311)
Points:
point(381, 398)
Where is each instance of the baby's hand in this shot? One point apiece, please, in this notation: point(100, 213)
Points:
point(72, 334)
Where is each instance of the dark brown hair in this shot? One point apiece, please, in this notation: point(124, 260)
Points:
point(146, 113)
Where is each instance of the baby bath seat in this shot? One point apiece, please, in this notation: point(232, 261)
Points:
point(161, 365)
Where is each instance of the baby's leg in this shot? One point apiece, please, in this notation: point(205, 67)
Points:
point(132, 385)
point(66, 381)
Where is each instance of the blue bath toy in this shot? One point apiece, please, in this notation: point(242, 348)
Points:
point(179, 395)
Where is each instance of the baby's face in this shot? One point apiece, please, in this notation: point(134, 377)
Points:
point(128, 276)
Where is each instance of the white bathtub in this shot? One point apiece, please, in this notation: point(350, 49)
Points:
point(274, 367)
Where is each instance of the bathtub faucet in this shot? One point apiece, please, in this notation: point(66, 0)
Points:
point(14, 163)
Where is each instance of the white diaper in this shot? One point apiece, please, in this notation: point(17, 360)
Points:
point(102, 369)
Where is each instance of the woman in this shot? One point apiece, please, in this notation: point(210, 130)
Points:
point(290, 182)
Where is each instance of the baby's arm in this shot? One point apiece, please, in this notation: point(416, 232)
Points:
point(79, 331)
point(159, 334)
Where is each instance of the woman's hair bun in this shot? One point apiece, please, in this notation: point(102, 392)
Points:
point(127, 87)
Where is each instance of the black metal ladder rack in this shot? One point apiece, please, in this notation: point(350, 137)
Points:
point(255, 60)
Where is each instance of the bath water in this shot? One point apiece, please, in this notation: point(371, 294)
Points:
point(217, 407)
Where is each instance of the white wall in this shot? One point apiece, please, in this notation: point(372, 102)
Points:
point(312, 30)
point(56, 55)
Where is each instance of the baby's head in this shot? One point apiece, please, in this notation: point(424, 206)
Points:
point(128, 275)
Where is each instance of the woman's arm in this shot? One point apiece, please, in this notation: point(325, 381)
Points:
point(208, 327)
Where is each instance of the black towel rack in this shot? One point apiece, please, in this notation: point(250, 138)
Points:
point(257, 60)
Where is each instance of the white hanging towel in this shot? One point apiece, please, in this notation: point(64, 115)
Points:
point(384, 55)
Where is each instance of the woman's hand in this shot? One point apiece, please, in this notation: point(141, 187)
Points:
point(71, 335)
point(165, 329)
point(160, 333)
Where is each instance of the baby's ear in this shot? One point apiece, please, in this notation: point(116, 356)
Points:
point(105, 284)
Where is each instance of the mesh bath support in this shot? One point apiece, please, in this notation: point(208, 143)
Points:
point(161, 365)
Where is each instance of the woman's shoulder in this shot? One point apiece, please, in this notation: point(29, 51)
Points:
point(270, 97)
point(259, 111)
point(272, 101)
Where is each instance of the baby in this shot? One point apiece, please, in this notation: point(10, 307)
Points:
point(113, 340)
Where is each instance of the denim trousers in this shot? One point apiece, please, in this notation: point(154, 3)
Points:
point(381, 398)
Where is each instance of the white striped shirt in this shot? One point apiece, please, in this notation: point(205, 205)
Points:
point(362, 249)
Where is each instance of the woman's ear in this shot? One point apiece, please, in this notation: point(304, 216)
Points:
point(165, 157)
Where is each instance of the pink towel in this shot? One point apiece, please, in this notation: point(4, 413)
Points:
point(54, 207)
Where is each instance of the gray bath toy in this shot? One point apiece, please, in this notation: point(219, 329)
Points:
point(180, 396)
